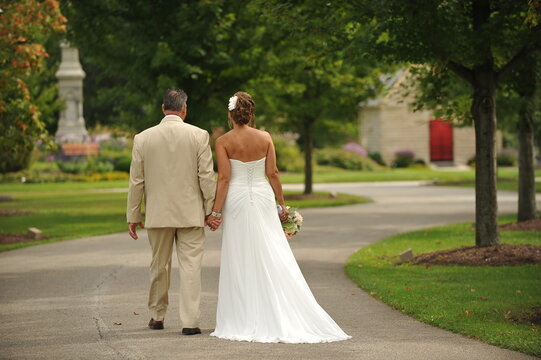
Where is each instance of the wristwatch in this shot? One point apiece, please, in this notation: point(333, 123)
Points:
point(216, 214)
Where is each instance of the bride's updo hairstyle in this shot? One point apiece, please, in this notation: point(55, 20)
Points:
point(243, 113)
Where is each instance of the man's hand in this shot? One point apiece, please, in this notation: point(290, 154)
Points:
point(132, 227)
point(213, 222)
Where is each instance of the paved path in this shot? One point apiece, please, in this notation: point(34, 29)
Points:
point(62, 300)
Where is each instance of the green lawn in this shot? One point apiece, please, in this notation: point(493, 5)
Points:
point(474, 301)
point(76, 209)
point(64, 210)
point(502, 185)
point(324, 200)
point(323, 174)
point(513, 186)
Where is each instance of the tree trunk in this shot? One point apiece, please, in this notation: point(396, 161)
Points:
point(308, 148)
point(526, 175)
point(484, 115)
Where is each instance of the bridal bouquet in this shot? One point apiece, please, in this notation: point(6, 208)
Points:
point(293, 224)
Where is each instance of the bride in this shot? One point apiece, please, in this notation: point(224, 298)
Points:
point(263, 296)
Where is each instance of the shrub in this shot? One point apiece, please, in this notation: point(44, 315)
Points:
point(122, 163)
point(71, 167)
point(98, 166)
point(376, 156)
point(113, 144)
point(31, 176)
point(403, 158)
point(78, 169)
point(344, 159)
point(506, 158)
point(356, 148)
point(107, 176)
point(15, 147)
point(85, 166)
point(288, 155)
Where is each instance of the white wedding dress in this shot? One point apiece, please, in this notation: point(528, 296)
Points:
point(263, 296)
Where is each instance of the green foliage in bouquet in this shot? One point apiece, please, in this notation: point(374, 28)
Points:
point(293, 224)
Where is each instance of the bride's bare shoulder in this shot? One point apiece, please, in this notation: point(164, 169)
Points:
point(264, 134)
point(221, 140)
point(224, 137)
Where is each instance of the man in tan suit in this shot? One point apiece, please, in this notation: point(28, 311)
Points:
point(172, 167)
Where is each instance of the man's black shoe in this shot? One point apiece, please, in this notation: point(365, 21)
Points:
point(155, 325)
point(191, 331)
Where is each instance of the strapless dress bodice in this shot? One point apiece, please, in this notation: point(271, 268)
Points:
point(247, 173)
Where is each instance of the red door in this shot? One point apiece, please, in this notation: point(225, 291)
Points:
point(441, 140)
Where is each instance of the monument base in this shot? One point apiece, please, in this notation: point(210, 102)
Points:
point(79, 136)
point(84, 149)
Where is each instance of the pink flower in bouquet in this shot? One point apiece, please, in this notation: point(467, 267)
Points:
point(293, 223)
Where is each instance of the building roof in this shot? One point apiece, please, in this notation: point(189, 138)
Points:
point(388, 81)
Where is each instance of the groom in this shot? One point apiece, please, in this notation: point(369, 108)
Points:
point(172, 166)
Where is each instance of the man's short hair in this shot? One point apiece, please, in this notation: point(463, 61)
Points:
point(174, 99)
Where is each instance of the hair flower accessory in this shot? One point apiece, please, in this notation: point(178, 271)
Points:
point(232, 103)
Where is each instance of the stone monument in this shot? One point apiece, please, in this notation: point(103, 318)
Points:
point(70, 75)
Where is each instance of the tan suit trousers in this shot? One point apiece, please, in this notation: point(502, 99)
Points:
point(189, 243)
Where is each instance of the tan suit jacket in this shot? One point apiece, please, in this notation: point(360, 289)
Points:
point(172, 166)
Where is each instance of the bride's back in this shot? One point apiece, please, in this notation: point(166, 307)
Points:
point(246, 144)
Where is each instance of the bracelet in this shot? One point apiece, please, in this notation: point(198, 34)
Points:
point(216, 214)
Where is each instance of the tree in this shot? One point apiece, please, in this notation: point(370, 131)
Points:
point(307, 90)
point(24, 27)
point(525, 81)
point(481, 41)
point(305, 82)
point(440, 90)
point(134, 50)
point(518, 116)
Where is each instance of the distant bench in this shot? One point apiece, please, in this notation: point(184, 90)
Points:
point(80, 149)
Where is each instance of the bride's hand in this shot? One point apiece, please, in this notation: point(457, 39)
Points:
point(213, 222)
point(284, 214)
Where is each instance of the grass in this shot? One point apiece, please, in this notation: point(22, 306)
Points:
point(77, 209)
point(322, 199)
point(453, 297)
point(502, 185)
point(64, 210)
point(324, 174)
point(513, 186)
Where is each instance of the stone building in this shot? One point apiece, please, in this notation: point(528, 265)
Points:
point(388, 125)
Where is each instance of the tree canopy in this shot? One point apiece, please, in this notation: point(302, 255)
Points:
point(25, 26)
point(134, 50)
point(481, 41)
point(306, 81)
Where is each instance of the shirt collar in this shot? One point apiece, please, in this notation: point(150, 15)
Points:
point(171, 118)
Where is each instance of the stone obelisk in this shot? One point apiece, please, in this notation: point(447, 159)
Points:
point(70, 75)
